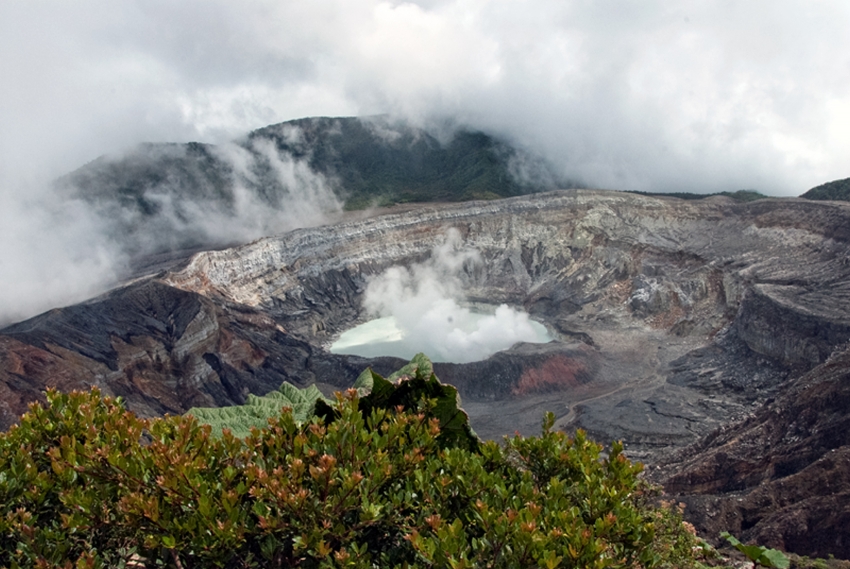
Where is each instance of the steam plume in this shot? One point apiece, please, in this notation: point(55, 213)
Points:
point(426, 301)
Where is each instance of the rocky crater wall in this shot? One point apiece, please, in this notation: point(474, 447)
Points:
point(552, 253)
point(688, 267)
point(696, 310)
point(673, 317)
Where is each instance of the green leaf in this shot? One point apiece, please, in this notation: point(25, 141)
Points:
point(419, 367)
point(257, 410)
point(774, 558)
point(364, 380)
point(759, 553)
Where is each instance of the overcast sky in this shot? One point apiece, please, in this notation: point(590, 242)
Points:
point(648, 95)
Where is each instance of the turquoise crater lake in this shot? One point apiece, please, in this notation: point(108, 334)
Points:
point(446, 334)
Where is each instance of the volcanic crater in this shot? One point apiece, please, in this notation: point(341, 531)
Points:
point(673, 320)
point(672, 317)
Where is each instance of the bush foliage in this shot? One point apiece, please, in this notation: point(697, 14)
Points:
point(370, 480)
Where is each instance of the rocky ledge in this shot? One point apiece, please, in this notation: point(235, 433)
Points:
point(782, 476)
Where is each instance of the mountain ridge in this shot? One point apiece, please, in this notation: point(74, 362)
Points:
point(835, 190)
point(162, 197)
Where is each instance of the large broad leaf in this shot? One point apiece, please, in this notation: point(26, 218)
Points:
point(413, 387)
point(257, 411)
point(365, 381)
point(419, 366)
point(759, 553)
point(774, 558)
point(409, 388)
point(302, 401)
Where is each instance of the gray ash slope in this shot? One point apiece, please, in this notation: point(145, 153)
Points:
point(675, 318)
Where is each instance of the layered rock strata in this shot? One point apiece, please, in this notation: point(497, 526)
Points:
point(674, 317)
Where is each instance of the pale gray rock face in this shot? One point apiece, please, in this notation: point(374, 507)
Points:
point(696, 311)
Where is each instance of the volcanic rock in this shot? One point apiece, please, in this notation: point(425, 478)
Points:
point(782, 476)
point(674, 317)
point(674, 320)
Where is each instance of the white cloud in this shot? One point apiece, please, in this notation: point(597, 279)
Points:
point(52, 256)
point(57, 251)
point(651, 95)
point(687, 96)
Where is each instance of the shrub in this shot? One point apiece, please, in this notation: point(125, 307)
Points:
point(85, 483)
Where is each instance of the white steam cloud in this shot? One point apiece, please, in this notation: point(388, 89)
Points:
point(188, 217)
point(696, 95)
point(54, 253)
point(57, 250)
point(426, 302)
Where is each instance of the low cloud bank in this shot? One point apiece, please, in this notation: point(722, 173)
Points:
point(426, 301)
point(255, 191)
point(62, 246)
point(54, 253)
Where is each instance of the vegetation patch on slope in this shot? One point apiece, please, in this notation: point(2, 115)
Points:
point(371, 480)
point(739, 195)
point(376, 161)
point(836, 190)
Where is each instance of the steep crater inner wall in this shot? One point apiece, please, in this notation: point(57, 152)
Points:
point(644, 282)
point(554, 256)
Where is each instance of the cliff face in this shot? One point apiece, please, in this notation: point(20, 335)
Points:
point(674, 319)
point(159, 347)
point(782, 476)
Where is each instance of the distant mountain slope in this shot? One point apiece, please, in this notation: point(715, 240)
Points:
point(378, 160)
point(738, 196)
point(165, 197)
point(835, 190)
point(136, 181)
